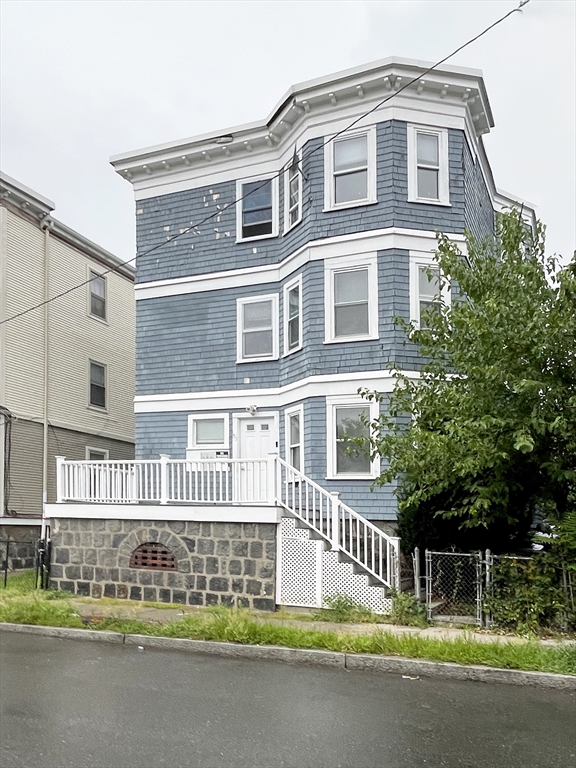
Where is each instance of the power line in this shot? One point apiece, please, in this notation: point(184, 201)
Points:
point(219, 212)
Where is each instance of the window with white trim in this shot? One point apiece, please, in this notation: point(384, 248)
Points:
point(350, 162)
point(349, 418)
point(294, 433)
point(97, 396)
point(97, 297)
point(293, 316)
point(256, 209)
point(292, 196)
point(208, 431)
point(96, 454)
point(257, 328)
point(429, 290)
point(428, 171)
point(351, 298)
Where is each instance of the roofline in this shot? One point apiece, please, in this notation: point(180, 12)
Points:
point(30, 204)
point(301, 89)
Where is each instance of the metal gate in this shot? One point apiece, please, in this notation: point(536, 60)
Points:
point(454, 587)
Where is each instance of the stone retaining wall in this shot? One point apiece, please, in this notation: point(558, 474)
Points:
point(231, 564)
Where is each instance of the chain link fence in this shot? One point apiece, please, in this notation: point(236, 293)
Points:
point(454, 587)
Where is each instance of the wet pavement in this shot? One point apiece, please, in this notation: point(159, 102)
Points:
point(71, 704)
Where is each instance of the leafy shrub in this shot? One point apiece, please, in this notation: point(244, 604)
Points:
point(407, 610)
point(343, 608)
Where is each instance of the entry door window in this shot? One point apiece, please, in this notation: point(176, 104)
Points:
point(257, 438)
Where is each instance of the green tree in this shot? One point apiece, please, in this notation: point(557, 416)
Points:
point(486, 436)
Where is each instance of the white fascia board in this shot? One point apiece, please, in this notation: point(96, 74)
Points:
point(29, 521)
point(272, 397)
point(190, 513)
point(354, 244)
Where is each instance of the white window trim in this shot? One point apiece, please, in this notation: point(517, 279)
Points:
point(418, 260)
point(343, 264)
point(444, 168)
point(93, 271)
point(333, 402)
point(329, 204)
point(287, 225)
point(97, 450)
point(273, 297)
point(91, 406)
point(213, 416)
point(239, 194)
point(297, 409)
point(297, 281)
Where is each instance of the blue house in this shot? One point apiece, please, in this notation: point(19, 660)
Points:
point(273, 259)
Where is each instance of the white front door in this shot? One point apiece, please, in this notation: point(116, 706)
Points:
point(257, 438)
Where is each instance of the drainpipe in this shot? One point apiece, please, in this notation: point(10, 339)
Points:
point(44, 226)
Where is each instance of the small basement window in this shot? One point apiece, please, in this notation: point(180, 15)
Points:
point(153, 557)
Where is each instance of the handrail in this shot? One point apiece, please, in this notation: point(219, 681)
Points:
point(236, 481)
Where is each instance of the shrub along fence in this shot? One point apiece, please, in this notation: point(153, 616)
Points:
point(523, 593)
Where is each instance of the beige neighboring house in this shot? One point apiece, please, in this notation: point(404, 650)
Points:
point(66, 368)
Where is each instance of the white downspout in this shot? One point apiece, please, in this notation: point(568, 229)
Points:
point(44, 225)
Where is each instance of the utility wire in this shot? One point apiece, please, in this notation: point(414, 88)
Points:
point(219, 212)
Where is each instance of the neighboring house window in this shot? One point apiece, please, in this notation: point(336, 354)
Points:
point(96, 454)
point(351, 295)
point(97, 385)
point(294, 427)
point(208, 431)
point(292, 196)
point(257, 209)
point(349, 418)
point(428, 172)
point(257, 335)
point(97, 286)
point(293, 316)
point(428, 289)
point(351, 170)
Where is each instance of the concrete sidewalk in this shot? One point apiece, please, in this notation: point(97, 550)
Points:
point(135, 611)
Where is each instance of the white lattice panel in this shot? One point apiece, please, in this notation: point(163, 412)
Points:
point(306, 569)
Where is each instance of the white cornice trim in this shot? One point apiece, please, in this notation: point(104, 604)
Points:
point(317, 250)
point(272, 397)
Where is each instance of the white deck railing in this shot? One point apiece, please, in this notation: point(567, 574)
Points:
point(235, 481)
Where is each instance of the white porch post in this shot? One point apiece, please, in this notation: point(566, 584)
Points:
point(60, 484)
point(394, 577)
point(335, 517)
point(272, 490)
point(164, 478)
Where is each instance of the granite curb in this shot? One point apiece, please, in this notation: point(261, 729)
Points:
point(414, 668)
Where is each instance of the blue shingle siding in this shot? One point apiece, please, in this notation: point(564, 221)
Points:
point(213, 248)
point(479, 214)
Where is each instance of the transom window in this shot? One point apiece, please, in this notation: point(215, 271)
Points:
point(258, 328)
point(97, 385)
point(350, 162)
point(97, 286)
point(428, 172)
point(257, 209)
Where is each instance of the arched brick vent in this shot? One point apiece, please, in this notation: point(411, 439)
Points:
point(153, 557)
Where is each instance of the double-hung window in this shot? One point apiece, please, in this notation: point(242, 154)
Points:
point(351, 295)
point(350, 162)
point(348, 418)
point(294, 426)
point(97, 288)
point(97, 397)
point(429, 290)
point(257, 209)
point(257, 328)
point(428, 172)
point(292, 196)
point(293, 316)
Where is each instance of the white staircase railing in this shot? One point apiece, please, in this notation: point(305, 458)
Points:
point(236, 481)
point(349, 533)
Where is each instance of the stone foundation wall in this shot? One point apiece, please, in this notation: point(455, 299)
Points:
point(230, 564)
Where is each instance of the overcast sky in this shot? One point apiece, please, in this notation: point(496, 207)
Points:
point(81, 81)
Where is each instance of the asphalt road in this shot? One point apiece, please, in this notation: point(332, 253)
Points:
point(72, 704)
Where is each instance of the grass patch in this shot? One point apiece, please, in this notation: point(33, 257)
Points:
point(20, 583)
point(21, 605)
